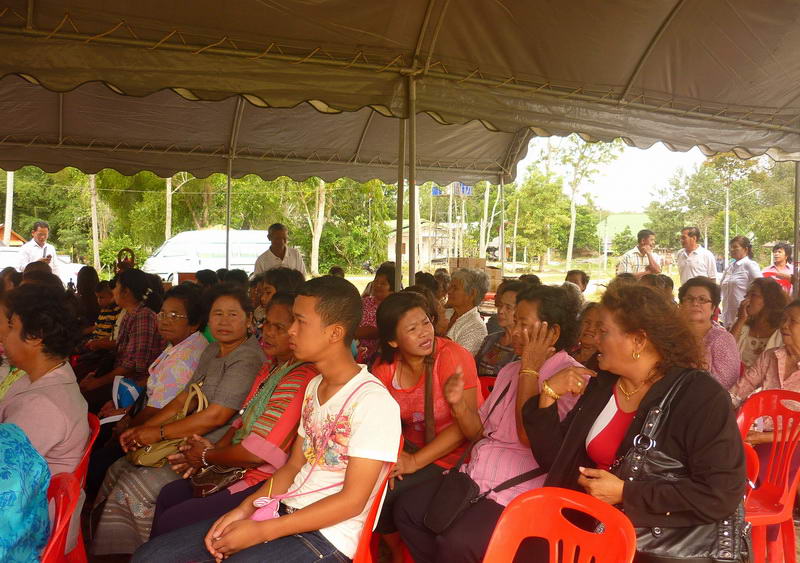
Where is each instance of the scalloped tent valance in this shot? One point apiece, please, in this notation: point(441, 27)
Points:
point(718, 74)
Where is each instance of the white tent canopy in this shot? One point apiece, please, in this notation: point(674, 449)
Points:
point(717, 74)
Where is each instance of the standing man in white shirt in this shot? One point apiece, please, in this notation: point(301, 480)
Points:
point(280, 254)
point(38, 249)
point(641, 259)
point(694, 260)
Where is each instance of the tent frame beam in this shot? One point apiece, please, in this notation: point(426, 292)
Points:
point(689, 109)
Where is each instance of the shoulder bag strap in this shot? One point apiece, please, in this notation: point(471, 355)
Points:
point(657, 414)
point(468, 449)
point(430, 421)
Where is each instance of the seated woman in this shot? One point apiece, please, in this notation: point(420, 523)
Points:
point(367, 334)
point(775, 368)
point(546, 326)
point(497, 349)
point(699, 298)
point(276, 280)
point(467, 290)
point(435, 308)
point(46, 403)
point(24, 523)
point(410, 355)
point(259, 440)
point(180, 321)
point(757, 327)
point(644, 347)
point(139, 342)
point(226, 370)
point(585, 353)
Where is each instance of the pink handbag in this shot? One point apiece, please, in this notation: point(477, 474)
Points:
point(267, 507)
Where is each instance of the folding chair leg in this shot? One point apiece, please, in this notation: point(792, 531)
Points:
point(759, 544)
point(789, 541)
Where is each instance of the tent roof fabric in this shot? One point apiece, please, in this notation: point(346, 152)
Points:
point(718, 74)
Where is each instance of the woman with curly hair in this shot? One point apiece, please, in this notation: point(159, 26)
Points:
point(757, 327)
point(645, 347)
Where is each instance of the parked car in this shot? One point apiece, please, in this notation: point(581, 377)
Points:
point(67, 269)
point(190, 251)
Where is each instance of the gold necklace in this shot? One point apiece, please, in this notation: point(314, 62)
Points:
point(630, 394)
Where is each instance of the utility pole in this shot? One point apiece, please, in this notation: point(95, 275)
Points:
point(9, 207)
point(95, 227)
point(516, 221)
point(168, 222)
point(484, 221)
point(450, 223)
point(727, 221)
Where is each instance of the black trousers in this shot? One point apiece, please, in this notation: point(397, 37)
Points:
point(464, 542)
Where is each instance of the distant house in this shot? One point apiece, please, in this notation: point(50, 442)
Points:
point(615, 223)
point(432, 239)
point(16, 239)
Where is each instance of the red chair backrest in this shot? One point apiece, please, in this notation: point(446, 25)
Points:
point(777, 479)
point(539, 513)
point(64, 491)
point(364, 551)
point(83, 466)
point(753, 465)
point(487, 384)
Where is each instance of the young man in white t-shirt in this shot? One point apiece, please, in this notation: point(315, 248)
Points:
point(336, 471)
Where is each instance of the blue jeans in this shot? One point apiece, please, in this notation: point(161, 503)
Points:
point(186, 546)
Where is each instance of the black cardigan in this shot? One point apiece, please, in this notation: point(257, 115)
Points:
point(700, 431)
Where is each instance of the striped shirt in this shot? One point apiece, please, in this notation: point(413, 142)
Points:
point(634, 261)
point(104, 327)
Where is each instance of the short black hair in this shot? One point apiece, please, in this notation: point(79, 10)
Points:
point(40, 224)
point(583, 275)
point(226, 289)
point(389, 313)
point(221, 273)
point(336, 271)
point(338, 302)
point(786, 247)
point(644, 234)
point(557, 306)
point(206, 278)
point(693, 232)
point(387, 271)
point(282, 298)
point(37, 266)
point(46, 313)
point(284, 279)
point(192, 297)
point(426, 280)
point(237, 276)
point(530, 279)
point(276, 227)
point(512, 285)
point(701, 281)
point(103, 286)
point(39, 277)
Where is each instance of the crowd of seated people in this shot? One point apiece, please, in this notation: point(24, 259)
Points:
point(309, 387)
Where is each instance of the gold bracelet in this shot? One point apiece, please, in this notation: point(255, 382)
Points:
point(547, 390)
point(529, 372)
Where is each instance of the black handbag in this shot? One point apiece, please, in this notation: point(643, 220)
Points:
point(458, 491)
point(727, 540)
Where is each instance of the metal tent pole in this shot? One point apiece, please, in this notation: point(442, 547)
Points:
point(412, 178)
point(502, 226)
point(795, 277)
point(237, 121)
point(398, 242)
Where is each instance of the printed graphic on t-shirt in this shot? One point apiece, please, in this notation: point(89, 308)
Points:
point(334, 450)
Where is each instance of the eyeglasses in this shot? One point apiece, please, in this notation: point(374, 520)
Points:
point(696, 300)
point(163, 315)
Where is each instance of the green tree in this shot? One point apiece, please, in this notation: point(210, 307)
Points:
point(623, 241)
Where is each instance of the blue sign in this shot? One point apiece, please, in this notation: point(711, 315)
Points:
point(458, 189)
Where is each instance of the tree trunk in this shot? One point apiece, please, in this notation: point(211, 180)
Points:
point(9, 207)
point(484, 221)
point(572, 220)
point(168, 220)
point(95, 226)
point(541, 261)
point(516, 223)
point(318, 224)
point(206, 202)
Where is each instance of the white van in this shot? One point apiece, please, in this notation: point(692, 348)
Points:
point(205, 250)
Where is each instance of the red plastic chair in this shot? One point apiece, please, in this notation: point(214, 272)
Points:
point(366, 551)
point(773, 500)
point(539, 513)
point(753, 465)
point(78, 553)
point(63, 491)
point(487, 384)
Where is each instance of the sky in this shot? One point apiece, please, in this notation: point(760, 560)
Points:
point(629, 183)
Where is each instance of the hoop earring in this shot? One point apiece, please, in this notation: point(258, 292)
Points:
point(636, 355)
